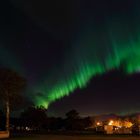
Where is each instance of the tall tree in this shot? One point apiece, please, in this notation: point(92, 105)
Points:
point(11, 84)
point(72, 117)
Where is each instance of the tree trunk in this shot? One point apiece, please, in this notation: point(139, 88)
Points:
point(7, 116)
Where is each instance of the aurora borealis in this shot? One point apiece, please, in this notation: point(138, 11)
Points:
point(61, 51)
point(121, 47)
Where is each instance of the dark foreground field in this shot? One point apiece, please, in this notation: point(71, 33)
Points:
point(61, 137)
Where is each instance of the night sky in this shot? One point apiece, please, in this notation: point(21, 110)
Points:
point(75, 54)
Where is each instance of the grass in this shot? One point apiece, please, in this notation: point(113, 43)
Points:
point(62, 137)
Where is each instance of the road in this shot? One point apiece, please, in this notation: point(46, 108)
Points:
point(61, 137)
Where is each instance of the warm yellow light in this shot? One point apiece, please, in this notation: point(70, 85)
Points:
point(128, 124)
point(98, 123)
point(120, 124)
point(111, 122)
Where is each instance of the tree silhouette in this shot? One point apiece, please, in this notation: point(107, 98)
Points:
point(11, 84)
point(72, 119)
point(34, 117)
point(72, 114)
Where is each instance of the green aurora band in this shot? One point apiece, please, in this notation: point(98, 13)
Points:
point(89, 58)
